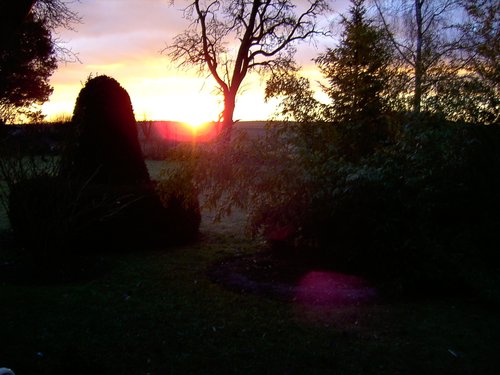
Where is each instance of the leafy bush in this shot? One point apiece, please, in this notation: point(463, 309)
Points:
point(412, 210)
point(19, 164)
point(180, 199)
point(427, 201)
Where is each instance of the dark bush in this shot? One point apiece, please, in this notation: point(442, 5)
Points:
point(42, 213)
point(107, 156)
point(412, 211)
point(415, 209)
point(105, 146)
point(132, 217)
point(55, 218)
point(102, 198)
point(180, 199)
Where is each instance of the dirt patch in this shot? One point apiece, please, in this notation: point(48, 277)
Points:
point(291, 280)
point(295, 279)
point(233, 224)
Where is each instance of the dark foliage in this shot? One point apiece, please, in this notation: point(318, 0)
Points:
point(42, 213)
point(56, 218)
point(414, 210)
point(180, 199)
point(357, 71)
point(46, 219)
point(131, 218)
point(106, 147)
point(102, 198)
point(393, 196)
point(413, 213)
point(27, 60)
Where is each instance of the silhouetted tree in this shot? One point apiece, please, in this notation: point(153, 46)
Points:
point(357, 74)
point(27, 60)
point(297, 102)
point(28, 53)
point(230, 38)
point(482, 37)
point(357, 71)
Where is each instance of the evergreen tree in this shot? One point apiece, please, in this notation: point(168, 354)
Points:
point(27, 60)
point(357, 72)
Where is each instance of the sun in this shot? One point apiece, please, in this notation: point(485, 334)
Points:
point(195, 120)
point(195, 125)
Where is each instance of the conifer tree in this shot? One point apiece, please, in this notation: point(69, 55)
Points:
point(357, 72)
point(27, 60)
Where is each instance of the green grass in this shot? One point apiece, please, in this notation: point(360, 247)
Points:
point(157, 312)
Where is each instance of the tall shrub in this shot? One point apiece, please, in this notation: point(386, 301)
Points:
point(106, 146)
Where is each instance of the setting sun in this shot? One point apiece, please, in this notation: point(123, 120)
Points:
point(195, 125)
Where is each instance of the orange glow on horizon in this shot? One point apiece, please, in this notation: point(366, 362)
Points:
point(184, 132)
point(158, 92)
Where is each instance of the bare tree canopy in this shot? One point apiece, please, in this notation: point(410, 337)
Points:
point(229, 38)
point(423, 32)
point(57, 13)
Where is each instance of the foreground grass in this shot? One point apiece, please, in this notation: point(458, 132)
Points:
point(158, 313)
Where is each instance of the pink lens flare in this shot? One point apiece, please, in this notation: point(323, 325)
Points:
point(320, 288)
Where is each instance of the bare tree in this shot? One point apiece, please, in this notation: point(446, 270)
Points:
point(423, 33)
point(229, 38)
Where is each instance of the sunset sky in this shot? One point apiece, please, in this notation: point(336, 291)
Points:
point(124, 39)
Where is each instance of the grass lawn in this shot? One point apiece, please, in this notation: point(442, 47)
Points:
point(157, 312)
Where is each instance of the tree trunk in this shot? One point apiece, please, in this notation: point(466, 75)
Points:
point(227, 116)
point(417, 95)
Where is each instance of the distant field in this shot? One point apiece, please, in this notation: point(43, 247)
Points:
point(156, 137)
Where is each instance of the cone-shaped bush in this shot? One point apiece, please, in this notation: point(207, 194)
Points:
point(106, 148)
